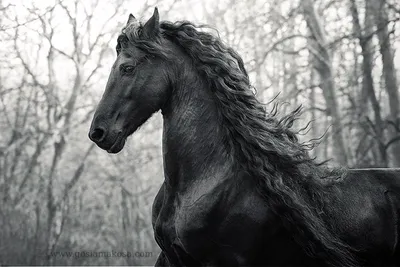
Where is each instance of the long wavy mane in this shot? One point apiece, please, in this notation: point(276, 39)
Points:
point(265, 146)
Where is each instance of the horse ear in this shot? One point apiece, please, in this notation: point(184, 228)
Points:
point(130, 19)
point(152, 26)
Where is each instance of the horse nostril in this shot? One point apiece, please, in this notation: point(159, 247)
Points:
point(97, 135)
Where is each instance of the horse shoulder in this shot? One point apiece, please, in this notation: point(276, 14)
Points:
point(216, 222)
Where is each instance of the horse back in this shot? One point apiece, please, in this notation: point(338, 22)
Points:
point(376, 180)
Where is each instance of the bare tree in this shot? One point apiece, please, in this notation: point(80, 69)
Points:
point(368, 91)
point(322, 62)
point(379, 13)
point(44, 112)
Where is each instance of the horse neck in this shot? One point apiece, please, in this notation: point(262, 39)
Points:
point(193, 144)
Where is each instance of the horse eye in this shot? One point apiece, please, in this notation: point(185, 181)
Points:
point(131, 68)
point(127, 69)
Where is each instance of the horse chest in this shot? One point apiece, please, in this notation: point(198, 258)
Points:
point(177, 226)
point(197, 231)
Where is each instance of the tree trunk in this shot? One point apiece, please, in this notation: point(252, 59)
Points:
point(323, 64)
point(127, 225)
point(378, 10)
point(314, 125)
point(368, 82)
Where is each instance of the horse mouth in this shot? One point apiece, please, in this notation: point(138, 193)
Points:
point(118, 144)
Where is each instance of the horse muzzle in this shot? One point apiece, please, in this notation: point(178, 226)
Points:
point(111, 140)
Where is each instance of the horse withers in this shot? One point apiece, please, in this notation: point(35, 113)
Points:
point(239, 188)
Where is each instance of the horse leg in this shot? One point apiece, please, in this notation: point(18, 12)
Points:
point(393, 204)
point(162, 260)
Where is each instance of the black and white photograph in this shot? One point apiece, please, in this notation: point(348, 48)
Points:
point(200, 133)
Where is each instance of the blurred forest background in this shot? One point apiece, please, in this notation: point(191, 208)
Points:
point(340, 59)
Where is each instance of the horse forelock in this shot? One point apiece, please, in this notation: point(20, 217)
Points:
point(133, 30)
point(266, 146)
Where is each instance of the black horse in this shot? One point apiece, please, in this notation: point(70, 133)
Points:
point(239, 189)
